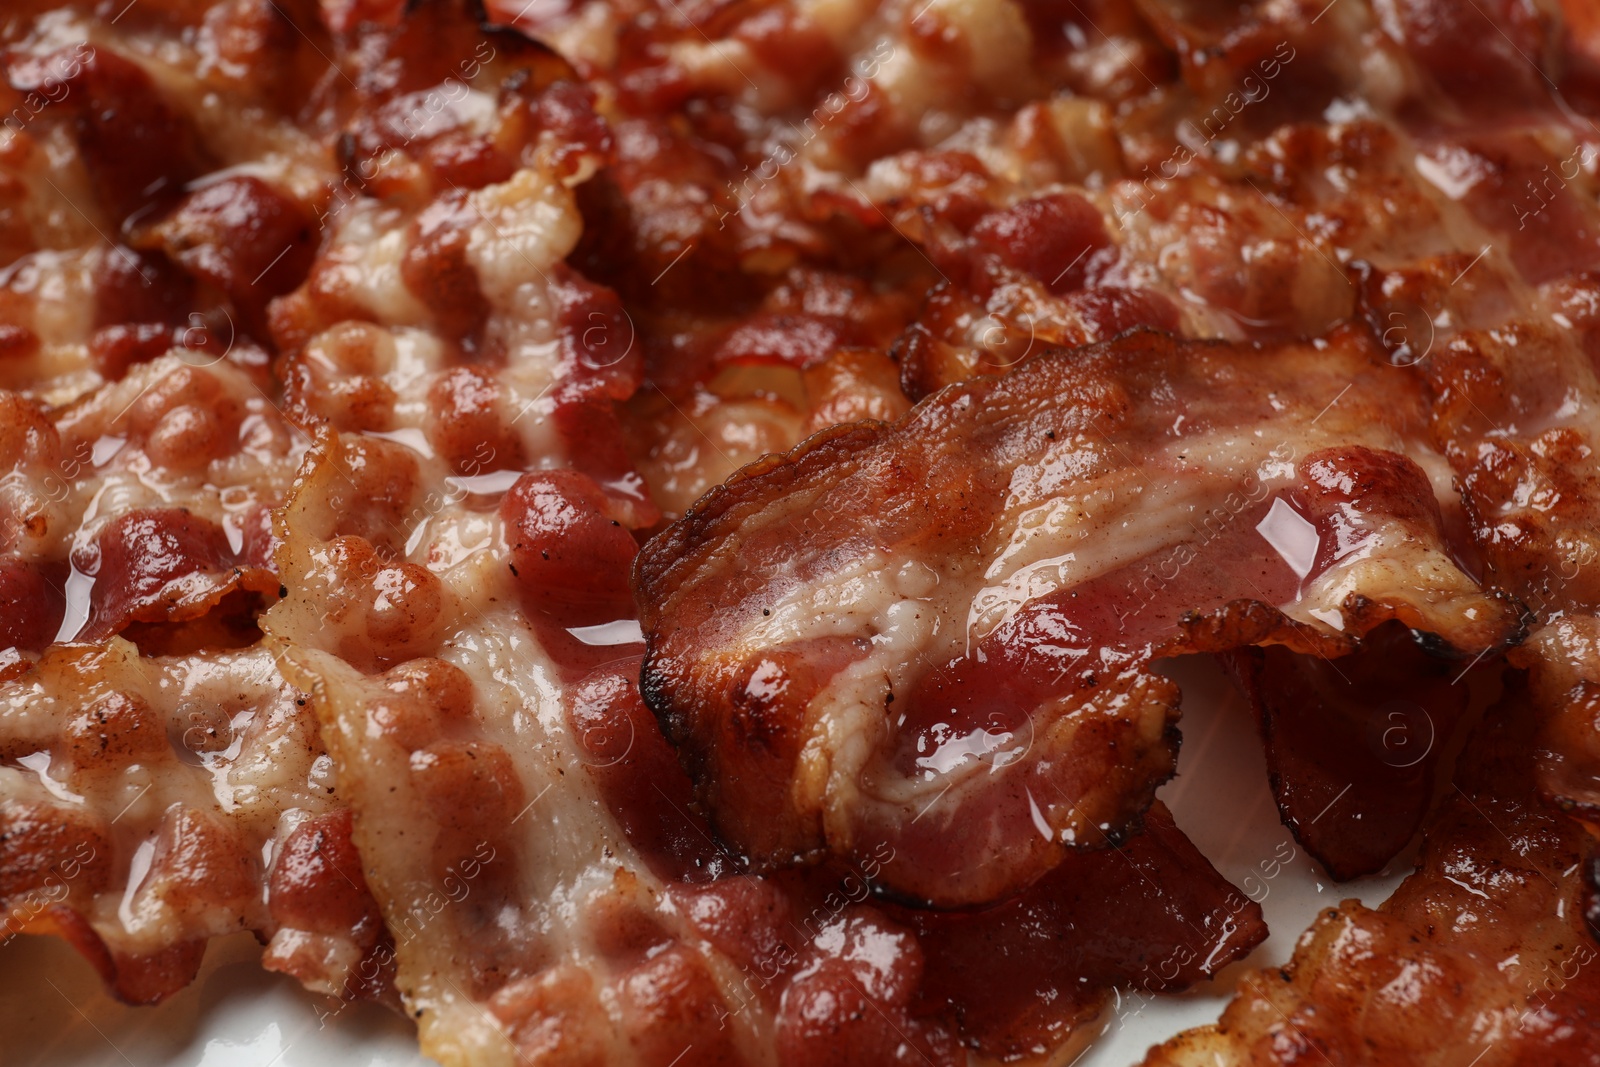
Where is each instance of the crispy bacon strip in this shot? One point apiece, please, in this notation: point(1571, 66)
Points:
point(531, 839)
point(936, 633)
point(142, 449)
point(1481, 956)
point(1516, 415)
point(149, 804)
point(94, 543)
point(107, 543)
point(520, 905)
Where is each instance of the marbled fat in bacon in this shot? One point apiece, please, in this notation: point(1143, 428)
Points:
point(150, 804)
point(143, 452)
point(792, 217)
point(532, 840)
point(144, 502)
point(936, 633)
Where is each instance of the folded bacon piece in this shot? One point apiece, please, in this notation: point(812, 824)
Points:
point(1563, 662)
point(149, 804)
point(481, 742)
point(1516, 415)
point(936, 634)
point(1152, 915)
point(1481, 957)
point(1352, 743)
point(528, 925)
point(532, 841)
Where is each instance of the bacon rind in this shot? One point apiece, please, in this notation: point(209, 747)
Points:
point(928, 491)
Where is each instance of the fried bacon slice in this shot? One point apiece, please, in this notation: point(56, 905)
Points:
point(1264, 231)
point(936, 633)
point(142, 447)
point(1506, 351)
point(1515, 414)
point(397, 237)
point(150, 804)
point(800, 203)
point(131, 146)
point(144, 502)
point(1352, 744)
point(471, 652)
point(532, 841)
point(1482, 955)
point(1474, 246)
point(1136, 917)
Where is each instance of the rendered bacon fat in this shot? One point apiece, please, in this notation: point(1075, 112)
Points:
point(936, 633)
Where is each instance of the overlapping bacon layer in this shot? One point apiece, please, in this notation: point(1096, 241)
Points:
point(1483, 955)
point(1515, 412)
point(149, 804)
point(143, 446)
point(533, 843)
point(810, 214)
point(937, 633)
point(471, 654)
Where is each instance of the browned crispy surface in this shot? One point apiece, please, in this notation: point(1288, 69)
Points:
point(150, 804)
point(895, 632)
point(1482, 955)
point(553, 894)
point(537, 287)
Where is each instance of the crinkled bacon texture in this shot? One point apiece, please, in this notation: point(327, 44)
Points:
point(1482, 956)
point(141, 508)
point(532, 843)
point(148, 804)
point(936, 635)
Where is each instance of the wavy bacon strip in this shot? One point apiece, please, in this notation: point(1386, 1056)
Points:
point(1151, 916)
point(936, 633)
point(1516, 416)
point(532, 843)
point(150, 804)
point(143, 449)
